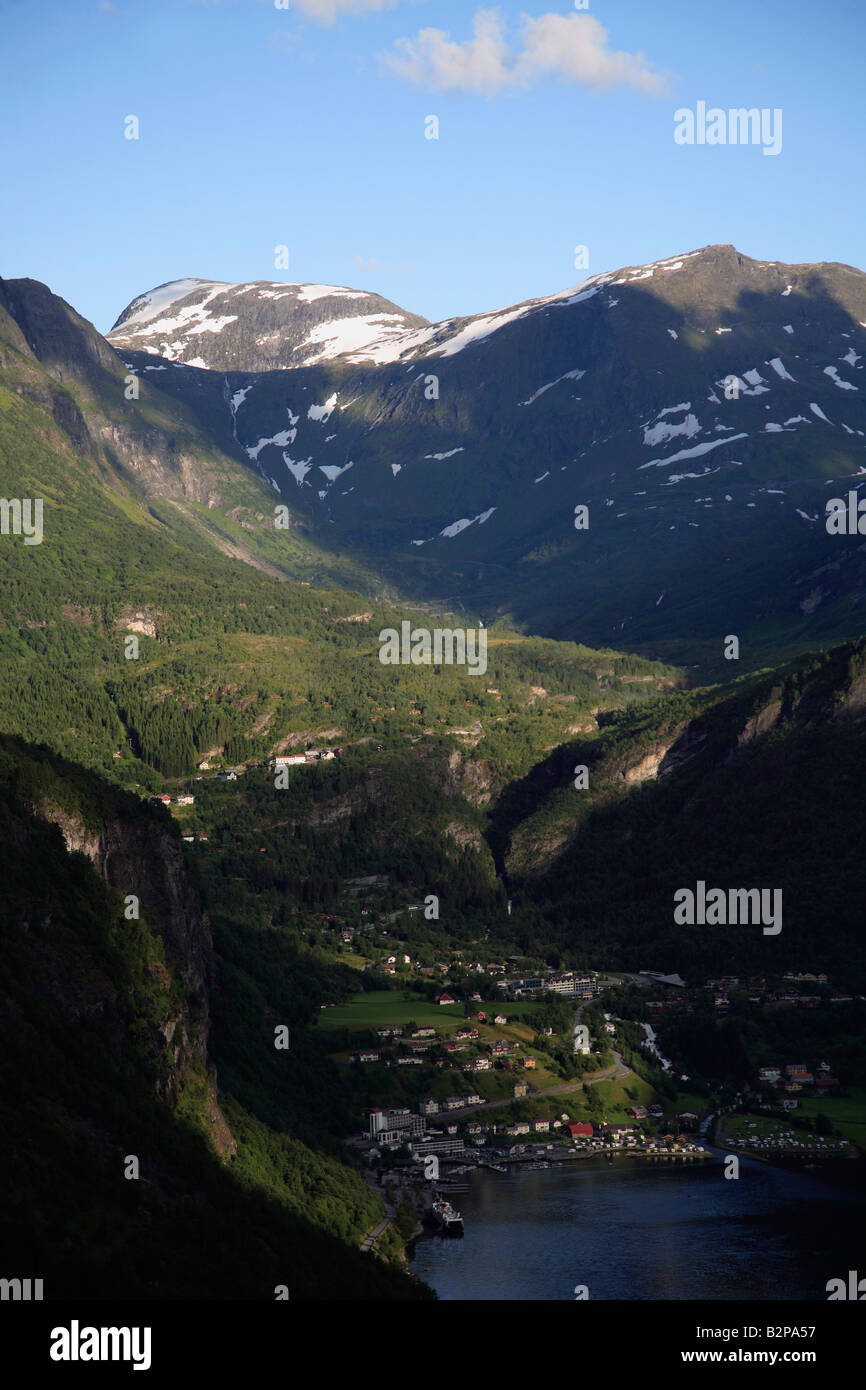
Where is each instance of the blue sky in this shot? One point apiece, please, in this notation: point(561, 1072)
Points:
point(305, 127)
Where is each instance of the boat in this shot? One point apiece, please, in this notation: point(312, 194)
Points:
point(448, 1221)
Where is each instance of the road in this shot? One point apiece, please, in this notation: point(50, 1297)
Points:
point(372, 1236)
point(614, 1073)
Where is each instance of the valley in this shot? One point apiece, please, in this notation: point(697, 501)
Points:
point(253, 782)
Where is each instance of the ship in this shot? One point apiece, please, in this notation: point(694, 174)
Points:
point(448, 1221)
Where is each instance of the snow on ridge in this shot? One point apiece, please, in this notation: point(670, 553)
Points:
point(383, 352)
point(191, 320)
point(349, 335)
point(816, 410)
point(450, 454)
point(479, 326)
point(691, 453)
point(155, 301)
point(475, 330)
point(310, 293)
point(212, 325)
point(646, 272)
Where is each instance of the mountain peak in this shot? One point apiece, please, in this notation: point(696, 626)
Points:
point(257, 325)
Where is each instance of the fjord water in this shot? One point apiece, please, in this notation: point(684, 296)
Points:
point(634, 1229)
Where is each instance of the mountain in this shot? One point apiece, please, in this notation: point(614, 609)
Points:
point(155, 1036)
point(261, 326)
point(451, 457)
point(104, 1023)
point(753, 784)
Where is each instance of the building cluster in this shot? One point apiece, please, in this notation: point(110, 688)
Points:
point(310, 755)
point(794, 989)
point(402, 1128)
point(414, 1049)
point(565, 982)
point(795, 1077)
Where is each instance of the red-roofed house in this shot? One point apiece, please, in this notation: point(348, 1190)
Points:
point(580, 1130)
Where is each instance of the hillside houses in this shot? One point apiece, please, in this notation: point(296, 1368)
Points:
point(310, 755)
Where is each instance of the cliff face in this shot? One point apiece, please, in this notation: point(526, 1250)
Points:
point(826, 693)
point(145, 860)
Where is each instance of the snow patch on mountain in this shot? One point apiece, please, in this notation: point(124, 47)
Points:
point(833, 374)
point(155, 302)
point(324, 412)
point(331, 472)
point(348, 335)
point(566, 376)
point(298, 468)
point(283, 438)
point(310, 293)
point(664, 430)
point(695, 451)
point(779, 368)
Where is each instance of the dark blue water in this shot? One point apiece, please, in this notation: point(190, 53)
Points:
point(633, 1229)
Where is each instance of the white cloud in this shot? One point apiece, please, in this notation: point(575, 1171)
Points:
point(328, 11)
point(571, 47)
point(323, 11)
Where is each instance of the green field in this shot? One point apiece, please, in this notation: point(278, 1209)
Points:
point(847, 1114)
point(379, 1008)
point(384, 1006)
